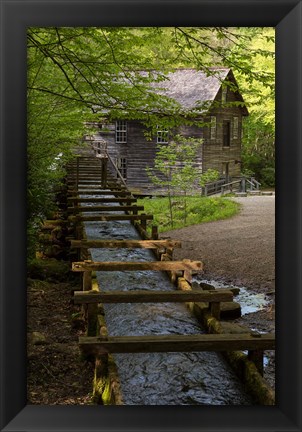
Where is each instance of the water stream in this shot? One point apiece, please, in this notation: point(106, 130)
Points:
point(158, 378)
point(249, 301)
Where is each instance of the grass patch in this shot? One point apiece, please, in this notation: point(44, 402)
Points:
point(198, 210)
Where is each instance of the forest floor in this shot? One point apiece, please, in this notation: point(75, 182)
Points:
point(239, 251)
point(57, 375)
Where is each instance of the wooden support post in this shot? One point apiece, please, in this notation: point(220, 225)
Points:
point(135, 212)
point(101, 366)
point(87, 280)
point(91, 310)
point(215, 309)
point(144, 222)
point(91, 313)
point(78, 231)
point(169, 252)
point(187, 274)
point(256, 356)
point(154, 234)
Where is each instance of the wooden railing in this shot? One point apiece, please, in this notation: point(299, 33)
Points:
point(231, 186)
point(240, 184)
point(237, 183)
point(212, 188)
point(254, 184)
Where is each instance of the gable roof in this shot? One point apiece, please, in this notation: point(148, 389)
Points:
point(192, 88)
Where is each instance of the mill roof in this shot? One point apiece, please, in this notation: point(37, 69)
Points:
point(192, 88)
point(189, 86)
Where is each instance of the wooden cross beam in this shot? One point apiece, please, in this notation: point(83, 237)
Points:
point(99, 186)
point(100, 192)
point(185, 265)
point(102, 200)
point(108, 217)
point(141, 296)
point(131, 244)
point(105, 208)
point(176, 343)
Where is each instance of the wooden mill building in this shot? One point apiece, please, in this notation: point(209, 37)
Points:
point(222, 114)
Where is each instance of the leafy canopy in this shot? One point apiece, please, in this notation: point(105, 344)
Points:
point(85, 74)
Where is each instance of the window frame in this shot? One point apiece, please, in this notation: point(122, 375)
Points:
point(235, 133)
point(122, 166)
point(162, 135)
point(121, 132)
point(213, 128)
point(226, 127)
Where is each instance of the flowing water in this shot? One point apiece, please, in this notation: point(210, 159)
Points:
point(158, 378)
point(249, 301)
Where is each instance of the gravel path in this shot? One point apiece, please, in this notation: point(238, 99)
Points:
point(239, 250)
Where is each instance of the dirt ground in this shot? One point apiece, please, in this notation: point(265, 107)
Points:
point(239, 251)
point(56, 373)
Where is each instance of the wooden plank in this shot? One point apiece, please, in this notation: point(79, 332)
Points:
point(102, 200)
point(109, 217)
point(137, 265)
point(109, 200)
point(95, 185)
point(176, 343)
point(141, 296)
point(94, 171)
point(131, 244)
point(105, 208)
point(100, 192)
point(86, 178)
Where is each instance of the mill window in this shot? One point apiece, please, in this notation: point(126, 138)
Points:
point(235, 127)
point(121, 131)
point(121, 164)
point(213, 127)
point(162, 135)
point(226, 133)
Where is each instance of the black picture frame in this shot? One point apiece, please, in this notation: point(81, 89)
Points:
point(16, 16)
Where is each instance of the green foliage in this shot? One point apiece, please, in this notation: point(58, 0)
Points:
point(78, 74)
point(208, 176)
point(267, 176)
point(175, 170)
point(199, 210)
point(259, 127)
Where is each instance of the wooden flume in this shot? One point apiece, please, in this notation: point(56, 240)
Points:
point(82, 189)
